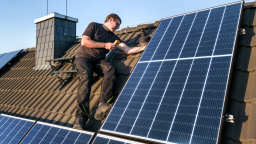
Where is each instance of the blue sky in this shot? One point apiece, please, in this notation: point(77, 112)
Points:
point(18, 31)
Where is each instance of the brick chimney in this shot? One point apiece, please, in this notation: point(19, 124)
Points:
point(55, 33)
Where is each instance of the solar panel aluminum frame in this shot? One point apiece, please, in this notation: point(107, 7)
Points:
point(227, 86)
point(4, 66)
point(12, 51)
point(67, 128)
point(18, 117)
point(137, 138)
point(117, 139)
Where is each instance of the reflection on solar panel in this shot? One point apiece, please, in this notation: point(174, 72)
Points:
point(6, 57)
point(104, 139)
point(47, 133)
point(12, 129)
point(177, 90)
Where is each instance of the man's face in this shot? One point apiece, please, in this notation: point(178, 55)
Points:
point(114, 24)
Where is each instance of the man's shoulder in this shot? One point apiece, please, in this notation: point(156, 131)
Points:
point(95, 24)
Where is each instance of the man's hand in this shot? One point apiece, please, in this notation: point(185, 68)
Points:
point(144, 47)
point(110, 46)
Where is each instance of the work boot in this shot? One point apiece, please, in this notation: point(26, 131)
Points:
point(102, 111)
point(80, 121)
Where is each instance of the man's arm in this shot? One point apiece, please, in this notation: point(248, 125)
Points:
point(130, 50)
point(87, 42)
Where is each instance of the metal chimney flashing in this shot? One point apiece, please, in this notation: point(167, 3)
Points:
point(57, 15)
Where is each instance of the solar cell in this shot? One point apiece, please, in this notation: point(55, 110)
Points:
point(177, 90)
point(48, 133)
point(104, 139)
point(6, 57)
point(12, 129)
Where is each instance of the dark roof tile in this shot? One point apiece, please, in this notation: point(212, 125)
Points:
point(61, 103)
point(120, 32)
point(244, 126)
point(245, 59)
point(249, 39)
point(135, 37)
point(122, 37)
point(128, 37)
point(248, 17)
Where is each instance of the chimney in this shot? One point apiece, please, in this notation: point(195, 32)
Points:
point(55, 33)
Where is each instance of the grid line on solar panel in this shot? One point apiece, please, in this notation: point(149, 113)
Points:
point(184, 85)
point(206, 80)
point(155, 78)
point(204, 49)
point(173, 26)
point(161, 98)
point(136, 86)
point(157, 36)
point(163, 34)
point(145, 71)
point(168, 114)
point(187, 58)
point(12, 129)
point(48, 133)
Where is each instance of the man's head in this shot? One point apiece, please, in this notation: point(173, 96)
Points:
point(112, 22)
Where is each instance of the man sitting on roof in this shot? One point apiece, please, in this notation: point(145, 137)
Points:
point(97, 41)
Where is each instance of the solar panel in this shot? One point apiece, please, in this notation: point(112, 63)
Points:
point(177, 91)
point(6, 57)
point(12, 129)
point(48, 133)
point(104, 139)
point(1, 55)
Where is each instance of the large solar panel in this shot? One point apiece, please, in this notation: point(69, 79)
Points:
point(177, 91)
point(6, 57)
point(12, 129)
point(104, 139)
point(48, 133)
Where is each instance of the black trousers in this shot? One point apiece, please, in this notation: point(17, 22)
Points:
point(85, 68)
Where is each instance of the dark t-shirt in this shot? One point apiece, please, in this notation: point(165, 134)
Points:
point(98, 34)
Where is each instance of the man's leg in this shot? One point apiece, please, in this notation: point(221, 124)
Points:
point(84, 70)
point(108, 71)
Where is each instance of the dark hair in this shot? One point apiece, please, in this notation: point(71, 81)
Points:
point(114, 16)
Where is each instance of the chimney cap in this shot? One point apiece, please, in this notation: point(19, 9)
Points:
point(54, 14)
